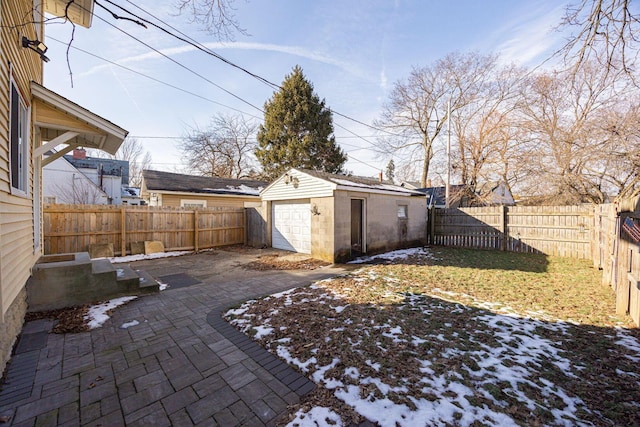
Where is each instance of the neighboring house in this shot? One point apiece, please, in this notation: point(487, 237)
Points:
point(437, 197)
point(178, 190)
point(411, 185)
point(33, 121)
point(338, 217)
point(490, 194)
point(131, 196)
point(78, 179)
point(64, 183)
point(108, 174)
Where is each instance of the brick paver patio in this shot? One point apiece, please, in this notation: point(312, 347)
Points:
point(181, 365)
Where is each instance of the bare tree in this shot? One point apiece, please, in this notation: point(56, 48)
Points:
point(224, 149)
point(416, 113)
point(216, 16)
point(132, 152)
point(484, 129)
point(606, 33)
point(570, 124)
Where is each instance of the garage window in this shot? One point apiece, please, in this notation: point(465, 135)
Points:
point(185, 203)
point(402, 211)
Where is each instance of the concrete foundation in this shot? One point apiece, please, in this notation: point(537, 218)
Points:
point(10, 327)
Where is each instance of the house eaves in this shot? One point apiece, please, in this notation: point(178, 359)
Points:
point(58, 117)
point(206, 193)
point(79, 12)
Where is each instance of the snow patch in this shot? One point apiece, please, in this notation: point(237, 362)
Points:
point(127, 325)
point(395, 255)
point(140, 257)
point(318, 416)
point(97, 314)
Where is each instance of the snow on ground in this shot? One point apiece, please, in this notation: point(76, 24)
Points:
point(97, 314)
point(505, 367)
point(161, 286)
point(318, 416)
point(631, 343)
point(127, 325)
point(395, 255)
point(140, 257)
point(470, 361)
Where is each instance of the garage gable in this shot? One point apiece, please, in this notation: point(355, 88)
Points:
point(295, 185)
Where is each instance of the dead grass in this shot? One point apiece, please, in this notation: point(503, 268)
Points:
point(276, 262)
point(566, 348)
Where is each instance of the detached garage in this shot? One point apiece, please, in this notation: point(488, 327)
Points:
point(338, 217)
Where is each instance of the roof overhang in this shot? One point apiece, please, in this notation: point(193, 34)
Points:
point(204, 194)
point(344, 185)
point(61, 121)
point(77, 11)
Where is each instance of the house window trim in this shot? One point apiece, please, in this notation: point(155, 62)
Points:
point(25, 147)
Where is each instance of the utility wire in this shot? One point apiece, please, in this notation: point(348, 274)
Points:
point(189, 41)
point(179, 64)
point(154, 79)
point(213, 83)
point(192, 42)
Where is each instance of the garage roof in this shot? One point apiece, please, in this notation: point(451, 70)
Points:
point(304, 183)
point(159, 181)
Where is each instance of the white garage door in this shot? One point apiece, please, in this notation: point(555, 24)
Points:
point(291, 226)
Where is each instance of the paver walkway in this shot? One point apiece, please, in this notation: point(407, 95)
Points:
point(181, 365)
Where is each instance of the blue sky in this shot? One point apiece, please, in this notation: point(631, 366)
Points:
point(351, 50)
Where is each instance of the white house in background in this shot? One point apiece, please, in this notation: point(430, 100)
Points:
point(131, 196)
point(79, 179)
point(64, 183)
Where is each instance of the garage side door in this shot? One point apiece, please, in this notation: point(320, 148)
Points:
point(291, 226)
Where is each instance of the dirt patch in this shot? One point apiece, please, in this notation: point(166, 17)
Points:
point(69, 320)
point(277, 262)
point(241, 249)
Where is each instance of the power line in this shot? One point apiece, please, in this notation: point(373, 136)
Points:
point(178, 63)
point(188, 39)
point(154, 79)
point(192, 42)
point(226, 61)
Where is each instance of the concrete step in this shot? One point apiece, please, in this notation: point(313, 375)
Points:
point(127, 279)
point(147, 283)
point(101, 266)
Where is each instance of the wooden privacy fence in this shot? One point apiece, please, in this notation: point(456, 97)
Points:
point(552, 230)
point(591, 232)
point(618, 254)
point(72, 228)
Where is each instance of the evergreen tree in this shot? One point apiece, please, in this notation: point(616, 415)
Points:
point(391, 171)
point(297, 131)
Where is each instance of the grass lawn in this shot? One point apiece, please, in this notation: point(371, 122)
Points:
point(443, 336)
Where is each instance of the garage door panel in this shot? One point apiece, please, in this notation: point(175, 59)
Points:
point(291, 226)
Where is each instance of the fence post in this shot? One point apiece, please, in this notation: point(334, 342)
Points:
point(432, 224)
point(503, 228)
point(244, 221)
point(195, 229)
point(123, 232)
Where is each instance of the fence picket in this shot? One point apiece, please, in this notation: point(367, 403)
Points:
point(72, 228)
